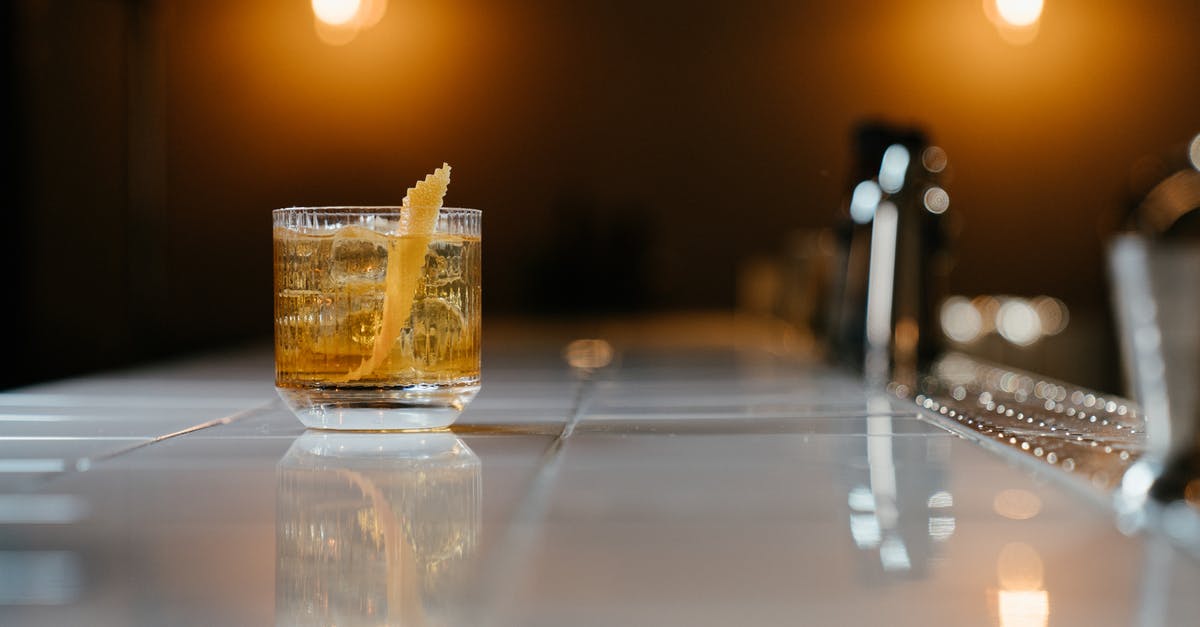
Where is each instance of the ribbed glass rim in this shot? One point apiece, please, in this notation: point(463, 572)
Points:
point(382, 218)
point(366, 210)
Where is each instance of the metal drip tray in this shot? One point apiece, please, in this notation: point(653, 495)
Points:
point(1092, 436)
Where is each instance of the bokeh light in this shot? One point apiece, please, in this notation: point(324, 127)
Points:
point(961, 321)
point(1023, 608)
point(335, 12)
point(1016, 21)
point(1017, 504)
point(1019, 567)
point(864, 201)
point(988, 307)
point(1194, 152)
point(588, 354)
point(1018, 322)
point(338, 22)
point(934, 159)
point(1022, 601)
point(936, 200)
point(892, 168)
point(1019, 12)
point(1053, 314)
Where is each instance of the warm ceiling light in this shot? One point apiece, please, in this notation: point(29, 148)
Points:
point(339, 21)
point(1019, 12)
point(335, 12)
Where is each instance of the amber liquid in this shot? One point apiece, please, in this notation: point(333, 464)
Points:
point(329, 303)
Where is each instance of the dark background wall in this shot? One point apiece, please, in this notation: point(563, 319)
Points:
point(640, 149)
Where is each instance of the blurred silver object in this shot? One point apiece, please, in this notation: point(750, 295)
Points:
point(1155, 276)
point(892, 258)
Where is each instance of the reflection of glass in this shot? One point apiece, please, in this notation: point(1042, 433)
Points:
point(901, 511)
point(372, 320)
point(374, 529)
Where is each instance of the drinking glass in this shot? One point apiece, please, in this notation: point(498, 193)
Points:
point(376, 327)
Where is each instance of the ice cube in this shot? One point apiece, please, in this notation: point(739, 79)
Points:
point(440, 268)
point(358, 256)
point(437, 327)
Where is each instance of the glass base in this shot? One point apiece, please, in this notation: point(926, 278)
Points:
point(414, 408)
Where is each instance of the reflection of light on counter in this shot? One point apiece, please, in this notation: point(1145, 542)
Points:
point(861, 499)
point(32, 465)
point(1021, 599)
point(864, 528)
point(894, 555)
point(1019, 567)
point(880, 463)
point(940, 499)
point(892, 168)
point(864, 201)
point(588, 354)
point(1017, 504)
point(42, 509)
point(40, 577)
point(941, 526)
point(1024, 608)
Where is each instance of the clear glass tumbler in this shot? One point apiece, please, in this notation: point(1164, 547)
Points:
point(376, 327)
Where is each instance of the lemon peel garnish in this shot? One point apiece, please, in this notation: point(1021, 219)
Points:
point(406, 261)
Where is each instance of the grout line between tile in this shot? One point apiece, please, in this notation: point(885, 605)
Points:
point(504, 571)
point(84, 464)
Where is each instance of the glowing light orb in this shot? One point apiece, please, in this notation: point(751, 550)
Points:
point(1018, 322)
point(961, 321)
point(1019, 12)
point(864, 201)
point(336, 12)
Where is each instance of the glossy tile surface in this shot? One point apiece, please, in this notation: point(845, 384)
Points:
point(674, 487)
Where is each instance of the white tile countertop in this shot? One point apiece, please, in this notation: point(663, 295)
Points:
point(680, 485)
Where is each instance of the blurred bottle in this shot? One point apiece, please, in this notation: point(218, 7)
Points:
point(892, 256)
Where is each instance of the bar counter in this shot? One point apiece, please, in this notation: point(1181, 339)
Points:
point(667, 483)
